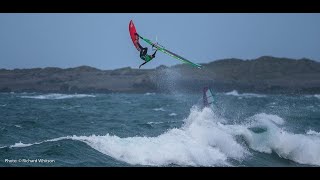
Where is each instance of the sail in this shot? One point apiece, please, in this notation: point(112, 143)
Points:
point(134, 37)
point(174, 55)
point(208, 98)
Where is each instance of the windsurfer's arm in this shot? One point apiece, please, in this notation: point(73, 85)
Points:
point(138, 35)
point(154, 54)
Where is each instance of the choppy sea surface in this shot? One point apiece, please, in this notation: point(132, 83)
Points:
point(159, 130)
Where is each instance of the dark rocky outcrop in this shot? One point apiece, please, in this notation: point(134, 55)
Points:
point(262, 75)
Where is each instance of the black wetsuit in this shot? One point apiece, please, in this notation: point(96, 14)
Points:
point(144, 56)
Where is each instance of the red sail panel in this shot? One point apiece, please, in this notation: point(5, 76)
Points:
point(134, 38)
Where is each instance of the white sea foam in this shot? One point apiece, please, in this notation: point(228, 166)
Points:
point(207, 140)
point(246, 95)
point(20, 144)
point(148, 94)
point(158, 109)
point(317, 96)
point(154, 123)
point(58, 96)
point(200, 142)
point(311, 132)
point(300, 148)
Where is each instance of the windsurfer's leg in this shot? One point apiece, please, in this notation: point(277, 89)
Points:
point(141, 52)
point(142, 64)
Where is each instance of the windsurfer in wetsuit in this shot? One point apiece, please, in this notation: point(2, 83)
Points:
point(143, 53)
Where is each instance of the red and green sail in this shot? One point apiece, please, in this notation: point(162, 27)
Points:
point(135, 41)
point(134, 38)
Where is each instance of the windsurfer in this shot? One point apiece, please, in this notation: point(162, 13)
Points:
point(143, 52)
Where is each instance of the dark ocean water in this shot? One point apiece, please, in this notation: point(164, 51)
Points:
point(159, 130)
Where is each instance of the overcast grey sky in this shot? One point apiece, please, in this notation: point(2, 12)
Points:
point(103, 41)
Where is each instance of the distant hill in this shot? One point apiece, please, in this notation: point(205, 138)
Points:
point(262, 75)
